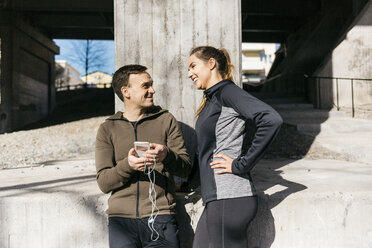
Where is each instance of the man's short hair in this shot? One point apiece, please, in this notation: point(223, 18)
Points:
point(121, 77)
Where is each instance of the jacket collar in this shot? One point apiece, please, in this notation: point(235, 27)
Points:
point(152, 111)
point(209, 92)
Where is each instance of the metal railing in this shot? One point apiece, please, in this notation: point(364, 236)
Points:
point(82, 86)
point(352, 80)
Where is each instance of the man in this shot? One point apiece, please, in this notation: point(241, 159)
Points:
point(122, 173)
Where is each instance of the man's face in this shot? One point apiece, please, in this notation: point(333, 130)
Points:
point(140, 91)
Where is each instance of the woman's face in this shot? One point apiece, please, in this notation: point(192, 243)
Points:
point(199, 72)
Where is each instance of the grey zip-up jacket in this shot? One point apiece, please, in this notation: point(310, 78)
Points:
point(220, 129)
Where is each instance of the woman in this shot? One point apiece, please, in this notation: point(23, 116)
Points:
point(226, 186)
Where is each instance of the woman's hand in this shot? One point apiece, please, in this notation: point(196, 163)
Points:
point(225, 164)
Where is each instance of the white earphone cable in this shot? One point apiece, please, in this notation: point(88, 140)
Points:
point(150, 172)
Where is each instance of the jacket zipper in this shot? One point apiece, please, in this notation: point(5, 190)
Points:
point(138, 179)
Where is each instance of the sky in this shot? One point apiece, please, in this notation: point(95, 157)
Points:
point(67, 52)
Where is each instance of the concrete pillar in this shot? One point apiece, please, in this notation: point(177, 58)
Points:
point(6, 77)
point(27, 73)
point(160, 34)
point(352, 58)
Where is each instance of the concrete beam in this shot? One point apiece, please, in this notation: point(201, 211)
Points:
point(282, 8)
point(73, 19)
point(66, 5)
point(14, 19)
point(270, 36)
point(81, 33)
point(162, 38)
point(267, 23)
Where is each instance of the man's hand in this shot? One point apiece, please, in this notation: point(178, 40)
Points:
point(135, 162)
point(157, 153)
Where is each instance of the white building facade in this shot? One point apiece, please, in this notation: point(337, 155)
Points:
point(98, 79)
point(67, 77)
point(257, 59)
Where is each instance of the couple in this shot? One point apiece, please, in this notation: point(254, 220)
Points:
point(139, 217)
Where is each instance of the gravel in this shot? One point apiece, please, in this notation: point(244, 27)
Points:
point(38, 146)
point(72, 139)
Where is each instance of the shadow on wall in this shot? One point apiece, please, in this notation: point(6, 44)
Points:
point(261, 232)
point(289, 143)
point(185, 221)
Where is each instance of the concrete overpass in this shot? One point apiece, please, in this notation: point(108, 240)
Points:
point(28, 27)
point(307, 30)
point(66, 19)
point(262, 21)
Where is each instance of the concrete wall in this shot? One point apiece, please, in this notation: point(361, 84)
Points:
point(302, 204)
point(0, 66)
point(307, 47)
point(6, 75)
point(352, 58)
point(27, 86)
point(160, 34)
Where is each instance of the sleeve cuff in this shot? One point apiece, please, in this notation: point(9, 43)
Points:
point(234, 167)
point(170, 157)
point(123, 168)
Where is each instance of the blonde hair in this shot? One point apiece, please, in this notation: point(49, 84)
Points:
point(224, 66)
point(230, 67)
point(201, 106)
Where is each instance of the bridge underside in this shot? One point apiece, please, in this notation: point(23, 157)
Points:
point(262, 20)
point(69, 19)
point(306, 29)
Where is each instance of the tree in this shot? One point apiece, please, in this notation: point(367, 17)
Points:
point(89, 54)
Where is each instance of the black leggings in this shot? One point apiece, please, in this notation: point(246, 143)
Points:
point(224, 223)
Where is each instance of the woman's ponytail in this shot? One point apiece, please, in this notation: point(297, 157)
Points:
point(229, 67)
point(201, 106)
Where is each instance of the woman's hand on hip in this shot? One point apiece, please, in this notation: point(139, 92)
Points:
point(224, 164)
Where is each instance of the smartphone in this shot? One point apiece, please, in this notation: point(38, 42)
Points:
point(141, 147)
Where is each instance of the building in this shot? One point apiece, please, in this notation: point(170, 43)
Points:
point(67, 77)
point(98, 79)
point(257, 59)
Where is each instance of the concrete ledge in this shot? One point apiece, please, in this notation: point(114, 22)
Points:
point(304, 203)
point(313, 203)
point(52, 206)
